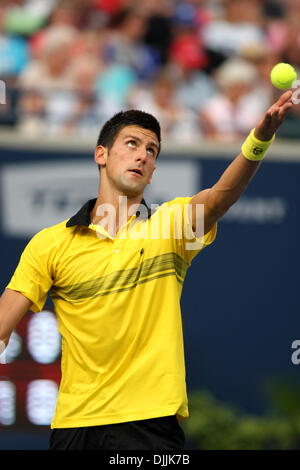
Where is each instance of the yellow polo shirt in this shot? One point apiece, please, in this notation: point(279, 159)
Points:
point(117, 302)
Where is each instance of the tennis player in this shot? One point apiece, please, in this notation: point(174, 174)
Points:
point(116, 290)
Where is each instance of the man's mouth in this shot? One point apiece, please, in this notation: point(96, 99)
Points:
point(137, 171)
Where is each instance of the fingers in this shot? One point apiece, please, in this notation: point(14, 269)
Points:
point(276, 114)
point(284, 98)
point(281, 107)
point(284, 110)
point(274, 117)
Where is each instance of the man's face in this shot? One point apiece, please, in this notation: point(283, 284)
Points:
point(130, 163)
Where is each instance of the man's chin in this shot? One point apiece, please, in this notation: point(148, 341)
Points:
point(132, 190)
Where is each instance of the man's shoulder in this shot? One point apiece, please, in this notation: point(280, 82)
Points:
point(52, 234)
point(177, 201)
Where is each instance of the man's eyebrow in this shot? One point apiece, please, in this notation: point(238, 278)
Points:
point(154, 144)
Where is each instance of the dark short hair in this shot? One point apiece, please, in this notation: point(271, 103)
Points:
point(133, 117)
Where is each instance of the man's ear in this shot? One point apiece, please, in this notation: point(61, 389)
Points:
point(101, 155)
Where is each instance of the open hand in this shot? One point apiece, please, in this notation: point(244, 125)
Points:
point(274, 117)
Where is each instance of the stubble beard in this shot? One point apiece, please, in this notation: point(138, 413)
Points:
point(130, 188)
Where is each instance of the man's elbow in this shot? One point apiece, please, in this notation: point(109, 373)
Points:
point(3, 343)
point(4, 335)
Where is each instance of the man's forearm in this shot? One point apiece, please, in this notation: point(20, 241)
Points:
point(235, 179)
point(13, 306)
point(239, 173)
point(232, 184)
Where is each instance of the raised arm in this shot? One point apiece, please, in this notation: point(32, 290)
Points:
point(220, 197)
point(13, 306)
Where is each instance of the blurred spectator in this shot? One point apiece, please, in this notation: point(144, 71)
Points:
point(205, 11)
point(264, 59)
point(273, 9)
point(283, 32)
point(193, 88)
point(203, 67)
point(31, 114)
point(63, 25)
point(291, 44)
point(66, 97)
point(52, 70)
point(176, 122)
point(158, 33)
point(242, 24)
point(39, 8)
point(113, 87)
point(111, 7)
point(14, 51)
point(229, 115)
point(86, 113)
point(124, 45)
point(187, 58)
point(89, 42)
point(49, 79)
point(187, 47)
point(28, 16)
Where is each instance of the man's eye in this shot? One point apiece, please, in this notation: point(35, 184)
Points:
point(151, 151)
point(131, 143)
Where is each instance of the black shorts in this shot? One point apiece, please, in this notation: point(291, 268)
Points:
point(150, 434)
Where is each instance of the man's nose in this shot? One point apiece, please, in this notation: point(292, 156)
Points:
point(141, 154)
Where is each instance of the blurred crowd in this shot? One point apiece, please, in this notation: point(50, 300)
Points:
point(201, 67)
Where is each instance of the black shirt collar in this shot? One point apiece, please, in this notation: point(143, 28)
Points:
point(82, 217)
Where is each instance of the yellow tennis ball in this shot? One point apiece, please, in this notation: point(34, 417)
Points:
point(283, 76)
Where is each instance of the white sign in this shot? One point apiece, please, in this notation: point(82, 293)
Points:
point(258, 210)
point(39, 195)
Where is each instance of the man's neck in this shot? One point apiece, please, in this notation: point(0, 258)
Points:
point(113, 212)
